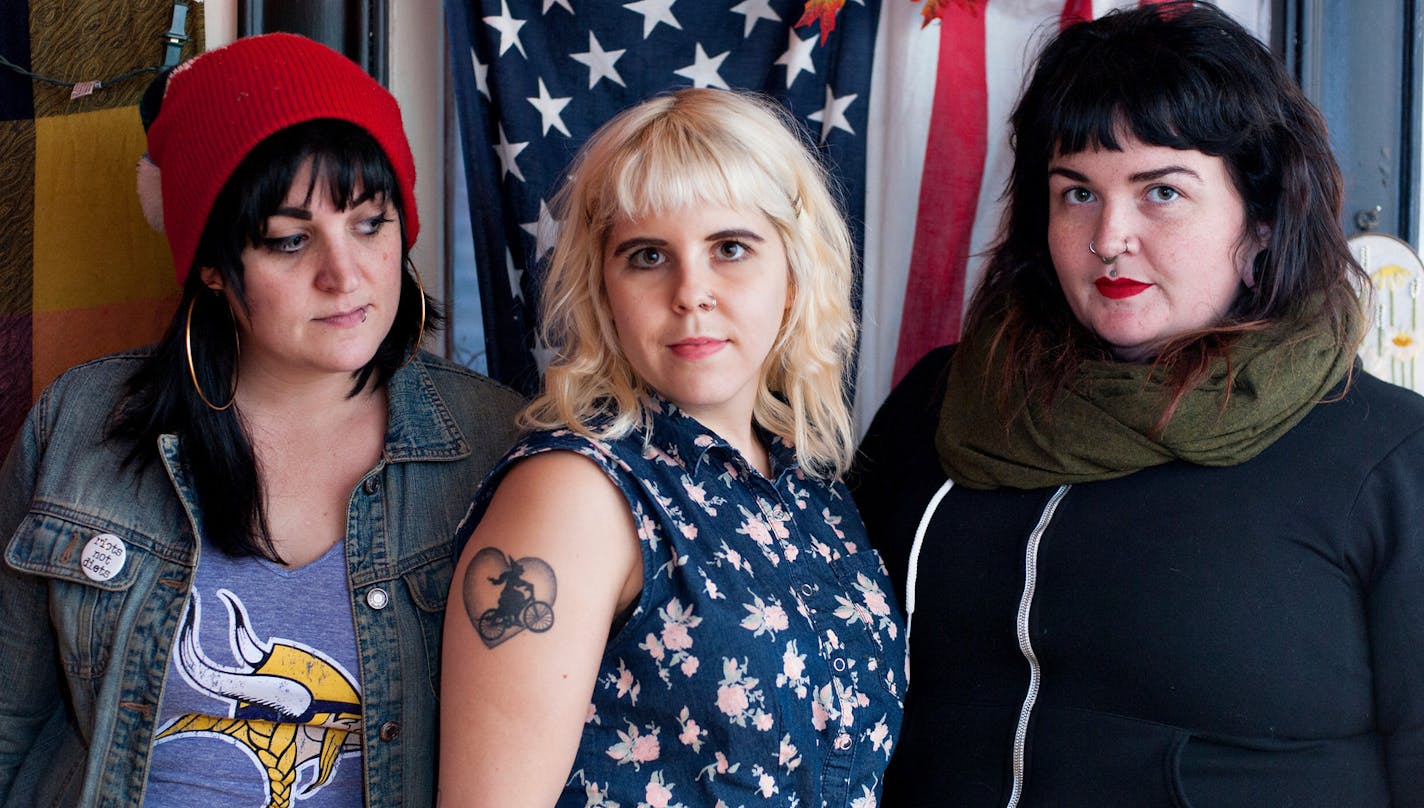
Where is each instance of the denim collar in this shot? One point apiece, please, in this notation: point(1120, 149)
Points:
point(686, 439)
point(420, 426)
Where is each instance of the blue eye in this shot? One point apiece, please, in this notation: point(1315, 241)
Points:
point(1163, 193)
point(374, 224)
point(286, 244)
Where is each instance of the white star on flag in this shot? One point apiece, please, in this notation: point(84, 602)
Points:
point(548, 4)
point(481, 75)
point(545, 231)
point(654, 12)
point(754, 10)
point(797, 57)
point(508, 29)
point(514, 273)
point(549, 109)
point(600, 62)
point(507, 152)
point(832, 115)
point(703, 70)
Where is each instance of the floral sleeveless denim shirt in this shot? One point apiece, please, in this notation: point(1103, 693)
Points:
point(764, 663)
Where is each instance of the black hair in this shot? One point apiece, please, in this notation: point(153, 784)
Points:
point(160, 397)
point(1186, 76)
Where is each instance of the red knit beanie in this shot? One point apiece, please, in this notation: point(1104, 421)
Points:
point(220, 104)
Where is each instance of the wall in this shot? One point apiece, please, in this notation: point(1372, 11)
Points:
point(81, 273)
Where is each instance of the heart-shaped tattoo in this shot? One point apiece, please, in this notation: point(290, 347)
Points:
point(504, 596)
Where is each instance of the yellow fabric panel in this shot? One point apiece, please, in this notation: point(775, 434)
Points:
point(92, 246)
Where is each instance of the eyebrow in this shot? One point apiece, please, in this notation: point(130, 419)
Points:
point(293, 213)
point(1159, 173)
point(721, 235)
point(1067, 173)
point(1141, 176)
point(635, 242)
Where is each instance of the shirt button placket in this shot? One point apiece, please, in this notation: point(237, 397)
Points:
point(835, 788)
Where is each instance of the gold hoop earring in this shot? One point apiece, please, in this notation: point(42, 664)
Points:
point(420, 334)
point(192, 371)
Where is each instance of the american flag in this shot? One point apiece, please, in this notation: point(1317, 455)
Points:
point(907, 100)
point(535, 78)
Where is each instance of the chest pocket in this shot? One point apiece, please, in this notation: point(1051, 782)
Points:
point(429, 586)
point(91, 565)
point(870, 604)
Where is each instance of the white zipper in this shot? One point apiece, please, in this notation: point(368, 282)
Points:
point(1035, 675)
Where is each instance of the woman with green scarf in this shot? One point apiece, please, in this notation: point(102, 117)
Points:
point(1161, 541)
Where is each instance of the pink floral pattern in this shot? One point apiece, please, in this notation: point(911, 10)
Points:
point(767, 641)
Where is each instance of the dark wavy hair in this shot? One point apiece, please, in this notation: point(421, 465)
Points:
point(1185, 76)
point(159, 397)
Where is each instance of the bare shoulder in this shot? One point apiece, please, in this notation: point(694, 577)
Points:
point(558, 486)
point(559, 511)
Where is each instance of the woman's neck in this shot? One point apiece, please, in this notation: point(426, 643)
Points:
point(263, 392)
point(313, 444)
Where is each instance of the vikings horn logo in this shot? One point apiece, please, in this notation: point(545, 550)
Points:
point(290, 706)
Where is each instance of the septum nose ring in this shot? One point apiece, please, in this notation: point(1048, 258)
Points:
point(1106, 259)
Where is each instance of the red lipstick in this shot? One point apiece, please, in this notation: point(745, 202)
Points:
point(1119, 288)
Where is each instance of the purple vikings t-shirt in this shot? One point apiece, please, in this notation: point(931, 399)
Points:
point(262, 705)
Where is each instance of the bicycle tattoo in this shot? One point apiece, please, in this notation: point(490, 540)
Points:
point(504, 595)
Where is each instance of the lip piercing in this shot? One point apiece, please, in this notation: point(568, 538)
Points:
point(1107, 260)
point(364, 315)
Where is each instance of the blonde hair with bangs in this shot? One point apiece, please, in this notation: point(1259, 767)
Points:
point(701, 147)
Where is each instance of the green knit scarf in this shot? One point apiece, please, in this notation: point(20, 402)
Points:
point(1101, 426)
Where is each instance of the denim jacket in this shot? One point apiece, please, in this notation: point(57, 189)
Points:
point(82, 661)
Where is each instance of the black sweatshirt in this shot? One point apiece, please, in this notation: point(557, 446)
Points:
point(1209, 637)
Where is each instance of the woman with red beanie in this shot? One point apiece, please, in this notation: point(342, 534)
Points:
point(226, 555)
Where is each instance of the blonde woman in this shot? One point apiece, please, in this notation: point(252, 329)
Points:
point(666, 597)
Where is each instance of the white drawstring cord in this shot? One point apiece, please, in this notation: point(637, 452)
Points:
point(913, 574)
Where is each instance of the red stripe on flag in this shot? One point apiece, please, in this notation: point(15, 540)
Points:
point(1075, 11)
point(949, 188)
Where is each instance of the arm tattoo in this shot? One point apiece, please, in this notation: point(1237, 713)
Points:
point(504, 595)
